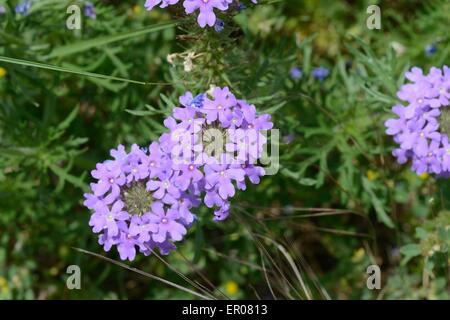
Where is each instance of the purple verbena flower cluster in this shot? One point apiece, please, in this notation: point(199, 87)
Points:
point(131, 209)
point(423, 124)
point(216, 142)
point(143, 199)
point(206, 8)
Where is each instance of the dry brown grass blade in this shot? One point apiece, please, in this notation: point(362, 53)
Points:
point(145, 274)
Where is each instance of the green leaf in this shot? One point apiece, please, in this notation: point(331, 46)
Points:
point(105, 83)
point(275, 108)
point(63, 175)
point(377, 204)
point(167, 101)
point(421, 233)
point(101, 41)
point(66, 122)
point(410, 251)
point(308, 182)
point(73, 71)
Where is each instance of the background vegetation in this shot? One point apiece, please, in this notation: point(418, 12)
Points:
point(339, 203)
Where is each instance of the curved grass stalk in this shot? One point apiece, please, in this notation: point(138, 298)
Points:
point(266, 276)
point(145, 274)
point(191, 282)
point(77, 72)
point(292, 264)
point(271, 259)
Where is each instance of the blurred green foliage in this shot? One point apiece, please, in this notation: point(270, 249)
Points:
point(339, 203)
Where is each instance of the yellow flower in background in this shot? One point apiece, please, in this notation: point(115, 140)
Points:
point(371, 175)
point(424, 176)
point(53, 271)
point(231, 287)
point(390, 184)
point(4, 285)
point(358, 255)
point(63, 251)
point(3, 282)
point(137, 9)
point(2, 72)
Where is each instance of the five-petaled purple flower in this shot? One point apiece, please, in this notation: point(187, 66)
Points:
point(166, 224)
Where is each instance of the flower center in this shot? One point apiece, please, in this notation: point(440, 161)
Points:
point(191, 167)
point(213, 139)
point(137, 199)
point(444, 120)
point(164, 220)
point(111, 180)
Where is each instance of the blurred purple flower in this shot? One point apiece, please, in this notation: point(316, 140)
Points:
point(24, 7)
point(206, 16)
point(149, 4)
point(320, 73)
point(89, 10)
point(296, 73)
point(430, 49)
point(219, 25)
